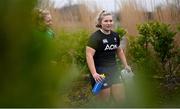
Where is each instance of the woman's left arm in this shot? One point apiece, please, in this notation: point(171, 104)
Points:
point(122, 57)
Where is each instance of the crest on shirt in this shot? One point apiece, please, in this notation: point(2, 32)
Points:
point(105, 41)
point(115, 39)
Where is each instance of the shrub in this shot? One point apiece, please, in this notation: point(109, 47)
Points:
point(154, 53)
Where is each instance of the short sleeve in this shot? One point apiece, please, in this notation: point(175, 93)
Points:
point(93, 42)
point(118, 38)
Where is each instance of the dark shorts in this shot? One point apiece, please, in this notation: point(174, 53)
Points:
point(112, 76)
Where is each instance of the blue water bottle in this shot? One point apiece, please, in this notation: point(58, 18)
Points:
point(97, 87)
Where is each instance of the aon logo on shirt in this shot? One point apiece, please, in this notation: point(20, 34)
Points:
point(110, 47)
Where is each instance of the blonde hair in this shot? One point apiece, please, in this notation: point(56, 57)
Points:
point(100, 17)
point(43, 12)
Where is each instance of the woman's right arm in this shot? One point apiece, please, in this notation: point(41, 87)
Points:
point(90, 61)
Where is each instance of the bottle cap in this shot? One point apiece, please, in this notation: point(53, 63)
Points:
point(102, 75)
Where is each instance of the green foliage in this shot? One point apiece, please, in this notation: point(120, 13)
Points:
point(121, 32)
point(155, 54)
point(160, 36)
point(136, 50)
point(73, 48)
point(178, 56)
point(80, 54)
point(178, 27)
point(146, 34)
point(163, 40)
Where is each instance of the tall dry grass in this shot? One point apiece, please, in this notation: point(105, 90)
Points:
point(170, 14)
point(75, 17)
point(132, 13)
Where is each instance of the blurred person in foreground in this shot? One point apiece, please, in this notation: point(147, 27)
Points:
point(101, 51)
point(44, 22)
point(42, 29)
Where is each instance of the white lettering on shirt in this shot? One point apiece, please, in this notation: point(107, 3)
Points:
point(110, 47)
